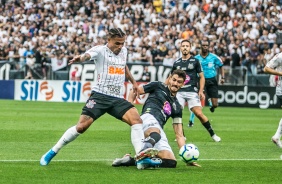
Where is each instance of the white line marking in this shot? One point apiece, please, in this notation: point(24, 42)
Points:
point(103, 160)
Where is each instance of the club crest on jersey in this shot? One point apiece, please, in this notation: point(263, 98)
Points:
point(190, 66)
point(90, 104)
point(178, 67)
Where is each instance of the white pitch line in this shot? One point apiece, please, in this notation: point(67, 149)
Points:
point(103, 160)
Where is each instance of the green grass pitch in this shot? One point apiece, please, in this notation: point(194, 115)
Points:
point(29, 129)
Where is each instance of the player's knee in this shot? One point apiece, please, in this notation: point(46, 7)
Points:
point(168, 163)
point(156, 136)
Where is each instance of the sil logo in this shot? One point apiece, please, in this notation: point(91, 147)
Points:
point(46, 90)
point(86, 89)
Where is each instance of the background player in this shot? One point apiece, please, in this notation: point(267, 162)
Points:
point(274, 67)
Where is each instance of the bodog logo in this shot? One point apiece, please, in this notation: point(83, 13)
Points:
point(46, 90)
point(86, 89)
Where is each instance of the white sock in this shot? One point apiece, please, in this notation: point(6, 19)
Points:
point(279, 130)
point(70, 135)
point(137, 137)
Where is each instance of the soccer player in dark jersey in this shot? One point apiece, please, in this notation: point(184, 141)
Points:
point(110, 64)
point(210, 62)
point(157, 109)
point(194, 79)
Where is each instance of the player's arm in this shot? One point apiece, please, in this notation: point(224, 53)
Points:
point(178, 130)
point(201, 85)
point(222, 80)
point(269, 70)
point(132, 95)
point(80, 58)
point(132, 80)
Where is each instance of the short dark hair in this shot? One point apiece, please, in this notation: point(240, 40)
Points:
point(205, 40)
point(186, 41)
point(180, 73)
point(116, 32)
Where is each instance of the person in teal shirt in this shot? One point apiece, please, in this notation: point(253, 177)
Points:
point(210, 63)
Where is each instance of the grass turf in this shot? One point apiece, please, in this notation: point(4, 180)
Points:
point(29, 129)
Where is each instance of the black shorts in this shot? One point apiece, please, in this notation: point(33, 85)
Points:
point(211, 87)
point(99, 104)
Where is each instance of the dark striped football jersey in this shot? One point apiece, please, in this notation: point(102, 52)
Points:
point(192, 68)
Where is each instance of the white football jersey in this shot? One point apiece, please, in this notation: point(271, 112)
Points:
point(276, 63)
point(110, 70)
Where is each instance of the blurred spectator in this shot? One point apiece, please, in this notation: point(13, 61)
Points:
point(157, 25)
point(30, 60)
point(146, 74)
point(3, 54)
point(168, 60)
point(75, 74)
point(236, 63)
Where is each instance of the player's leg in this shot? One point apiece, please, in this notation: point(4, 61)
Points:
point(196, 108)
point(91, 110)
point(211, 90)
point(151, 129)
point(181, 97)
point(277, 136)
point(191, 119)
point(165, 156)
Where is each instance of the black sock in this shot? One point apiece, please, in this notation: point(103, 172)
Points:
point(207, 125)
point(168, 163)
point(150, 141)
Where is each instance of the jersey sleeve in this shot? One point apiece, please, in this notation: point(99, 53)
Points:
point(177, 115)
point(93, 52)
point(151, 86)
point(274, 62)
point(218, 61)
point(199, 67)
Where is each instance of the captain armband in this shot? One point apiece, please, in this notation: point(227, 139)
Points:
point(177, 121)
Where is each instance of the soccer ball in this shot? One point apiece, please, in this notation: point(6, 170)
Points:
point(189, 153)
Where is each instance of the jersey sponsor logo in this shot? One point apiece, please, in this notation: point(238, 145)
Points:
point(113, 89)
point(115, 70)
point(187, 79)
point(167, 108)
point(90, 104)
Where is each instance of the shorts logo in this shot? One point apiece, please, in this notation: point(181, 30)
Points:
point(90, 104)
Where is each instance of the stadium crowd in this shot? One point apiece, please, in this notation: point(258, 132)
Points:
point(242, 32)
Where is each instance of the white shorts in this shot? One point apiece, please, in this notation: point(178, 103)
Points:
point(149, 121)
point(192, 99)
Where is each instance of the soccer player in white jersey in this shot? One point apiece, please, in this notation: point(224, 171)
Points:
point(274, 67)
point(107, 96)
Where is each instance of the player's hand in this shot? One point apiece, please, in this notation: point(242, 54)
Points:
point(222, 81)
point(74, 59)
point(194, 164)
point(135, 90)
point(202, 95)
